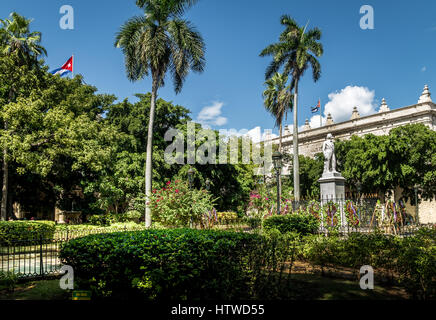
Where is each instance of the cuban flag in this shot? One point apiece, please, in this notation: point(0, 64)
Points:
point(65, 69)
point(316, 109)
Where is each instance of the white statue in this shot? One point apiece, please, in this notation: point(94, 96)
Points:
point(328, 148)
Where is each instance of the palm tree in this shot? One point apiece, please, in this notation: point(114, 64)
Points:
point(296, 51)
point(17, 40)
point(155, 43)
point(278, 100)
point(15, 37)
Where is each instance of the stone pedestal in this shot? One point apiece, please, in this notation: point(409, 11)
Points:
point(333, 189)
point(332, 186)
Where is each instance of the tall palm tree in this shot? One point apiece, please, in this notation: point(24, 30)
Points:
point(296, 51)
point(278, 101)
point(155, 43)
point(16, 39)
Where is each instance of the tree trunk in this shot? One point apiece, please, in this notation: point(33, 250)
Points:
point(295, 146)
point(280, 150)
point(5, 189)
point(149, 159)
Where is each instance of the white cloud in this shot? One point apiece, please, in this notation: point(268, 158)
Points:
point(211, 115)
point(341, 103)
point(424, 69)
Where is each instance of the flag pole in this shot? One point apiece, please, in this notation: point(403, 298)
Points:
point(72, 69)
point(320, 113)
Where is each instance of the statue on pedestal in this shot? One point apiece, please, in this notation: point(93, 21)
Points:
point(328, 148)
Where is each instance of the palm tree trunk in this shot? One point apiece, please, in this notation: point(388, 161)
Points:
point(5, 190)
point(295, 147)
point(280, 150)
point(149, 159)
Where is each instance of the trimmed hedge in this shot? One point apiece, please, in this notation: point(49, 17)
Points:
point(25, 230)
point(102, 220)
point(409, 261)
point(300, 223)
point(163, 264)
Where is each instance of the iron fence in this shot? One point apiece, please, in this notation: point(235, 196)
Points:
point(39, 257)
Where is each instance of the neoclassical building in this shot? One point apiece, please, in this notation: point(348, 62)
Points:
point(310, 140)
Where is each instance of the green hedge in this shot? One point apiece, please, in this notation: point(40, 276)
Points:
point(299, 223)
point(102, 220)
point(11, 231)
point(411, 261)
point(163, 264)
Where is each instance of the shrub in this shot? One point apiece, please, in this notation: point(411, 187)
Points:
point(227, 216)
point(133, 216)
point(303, 224)
point(411, 261)
point(103, 220)
point(177, 205)
point(254, 223)
point(25, 230)
point(163, 264)
point(8, 280)
point(129, 216)
point(417, 264)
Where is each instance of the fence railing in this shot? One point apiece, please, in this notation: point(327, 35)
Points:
point(39, 257)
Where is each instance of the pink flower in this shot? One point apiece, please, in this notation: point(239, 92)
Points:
point(177, 190)
point(168, 183)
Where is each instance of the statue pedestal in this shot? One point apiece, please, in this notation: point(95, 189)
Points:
point(332, 186)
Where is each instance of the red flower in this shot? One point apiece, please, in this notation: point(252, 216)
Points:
point(177, 190)
point(168, 183)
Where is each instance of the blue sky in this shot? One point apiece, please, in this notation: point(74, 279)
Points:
point(393, 61)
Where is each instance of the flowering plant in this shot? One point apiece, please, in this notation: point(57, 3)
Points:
point(263, 204)
point(176, 205)
point(314, 209)
point(351, 214)
point(331, 214)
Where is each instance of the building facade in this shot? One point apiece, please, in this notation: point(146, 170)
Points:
point(310, 140)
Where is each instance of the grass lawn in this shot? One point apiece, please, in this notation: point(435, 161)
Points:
point(301, 287)
point(36, 290)
point(316, 287)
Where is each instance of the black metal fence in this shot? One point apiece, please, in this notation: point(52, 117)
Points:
point(39, 257)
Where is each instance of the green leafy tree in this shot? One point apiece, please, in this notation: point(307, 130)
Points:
point(120, 183)
point(230, 183)
point(310, 172)
point(412, 150)
point(158, 42)
point(56, 136)
point(366, 160)
point(296, 51)
point(381, 163)
point(24, 47)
